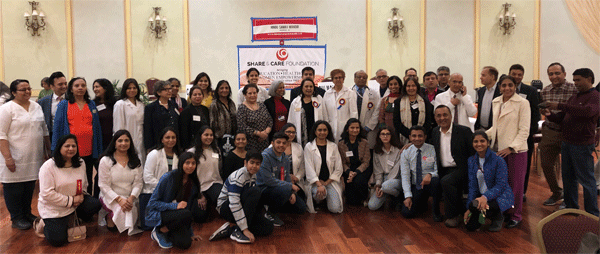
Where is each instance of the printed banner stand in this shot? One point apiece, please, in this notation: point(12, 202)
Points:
point(283, 63)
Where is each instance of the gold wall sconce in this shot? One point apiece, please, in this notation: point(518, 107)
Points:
point(157, 24)
point(34, 22)
point(395, 23)
point(506, 21)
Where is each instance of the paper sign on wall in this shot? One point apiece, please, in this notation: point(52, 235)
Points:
point(275, 29)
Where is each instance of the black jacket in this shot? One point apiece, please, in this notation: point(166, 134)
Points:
point(405, 130)
point(461, 146)
point(156, 118)
point(480, 93)
point(190, 121)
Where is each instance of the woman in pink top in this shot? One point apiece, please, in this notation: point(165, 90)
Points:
point(63, 183)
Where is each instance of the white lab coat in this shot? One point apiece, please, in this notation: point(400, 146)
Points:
point(373, 85)
point(312, 164)
point(127, 116)
point(156, 166)
point(263, 95)
point(340, 107)
point(295, 113)
point(24, 130)
point(369, 111)
point(115, 181)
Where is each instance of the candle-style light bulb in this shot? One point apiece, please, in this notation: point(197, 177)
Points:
point(26, 15)
point(35, 13)
point(42, 14)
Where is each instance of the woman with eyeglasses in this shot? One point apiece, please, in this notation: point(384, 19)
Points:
point(159, 114)
point(24, 144)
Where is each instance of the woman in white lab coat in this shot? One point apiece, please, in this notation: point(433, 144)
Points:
point(128, 114)
point(305, 110)
point(340, 103)
point(323, 165)
point(120, 182)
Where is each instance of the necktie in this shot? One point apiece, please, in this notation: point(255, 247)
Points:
point(59, 98)
point(419, 170)
point(455, 121)
point(359, 99)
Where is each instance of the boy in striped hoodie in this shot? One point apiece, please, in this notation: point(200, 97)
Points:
point(239, 204)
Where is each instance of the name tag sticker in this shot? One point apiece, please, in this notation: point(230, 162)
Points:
point(390, 163)
point(215, 155)
point(523, 95)
point(349, 154)
point(101, 107)
point(415, 106)
point(196, 118)
point(298, 109)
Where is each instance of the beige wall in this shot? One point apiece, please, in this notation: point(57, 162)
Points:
point(151, 57)
point(395, 54)
point(502, 51)
point(214, 41)
point(33, 57)
point(217, 27)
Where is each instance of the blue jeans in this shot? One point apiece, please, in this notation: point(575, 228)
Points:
point(578, 166)
point(278, 200)
point(420, 198)
point(390, 187)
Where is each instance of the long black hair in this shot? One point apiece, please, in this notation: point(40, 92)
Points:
point(57, 156)
point(346, 136)
point(216, 91)
point(179, 172)
point(70, 95)
point(126, 84)
point(313, 132)
point(160, 145)
point(13, 88)
point(109, 94)
point(198, 142)
point(201, 75)
point(379, 144)
point(134, 160)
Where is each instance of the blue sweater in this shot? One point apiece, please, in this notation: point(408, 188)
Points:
point(270, 171)
point(61, 126)
point(163, 196)
point(496, 179)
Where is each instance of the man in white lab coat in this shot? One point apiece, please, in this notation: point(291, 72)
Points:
point(367, 103)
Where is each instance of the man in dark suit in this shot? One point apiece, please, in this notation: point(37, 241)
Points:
point(485, 95)
point(307, 73)
point(453, 146)
point(531, 94)
point(58, 83)
point(430, 86)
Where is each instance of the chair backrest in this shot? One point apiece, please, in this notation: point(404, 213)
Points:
point(150, 85)
point(561, 231)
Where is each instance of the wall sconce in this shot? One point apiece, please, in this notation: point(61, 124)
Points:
point(506, 21)
point(35, 20)
point(156, 26)
point(395, 24)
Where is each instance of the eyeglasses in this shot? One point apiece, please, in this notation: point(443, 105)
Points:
point(361, 77)
point(380, 77)
point(24, 89)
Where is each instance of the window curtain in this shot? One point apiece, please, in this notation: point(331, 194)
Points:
point(586, 14)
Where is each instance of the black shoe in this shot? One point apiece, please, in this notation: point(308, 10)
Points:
point(437, 217)
point(30, 217)
point(22, 224)
point(496, 224)
point(524, 198)
point(512, 224)
point(112, 229)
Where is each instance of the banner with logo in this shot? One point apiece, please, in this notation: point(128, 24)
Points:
point(275, 29)
point(281, 63)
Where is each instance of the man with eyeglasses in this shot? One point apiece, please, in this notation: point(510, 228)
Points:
point(443, 73)
point(381, 77)
point(367, 101)
point(410, 73)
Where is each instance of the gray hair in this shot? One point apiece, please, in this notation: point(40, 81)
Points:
point(443, 68)
point(274, 85)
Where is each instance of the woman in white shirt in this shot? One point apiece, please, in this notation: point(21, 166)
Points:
point(323, 165)
point(24, 144)
point(63, 182)
point(128, 114)
point(120, 182)
point(209, 167)
point(295, 155)
point(160, 160)
point(386, 168)
point(305, 110)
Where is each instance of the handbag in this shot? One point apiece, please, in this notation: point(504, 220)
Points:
point(76, 231)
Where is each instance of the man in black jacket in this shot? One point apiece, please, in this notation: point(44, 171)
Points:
point(307, 73)
point(531, 94)
point(485, 94)
point(453, 146)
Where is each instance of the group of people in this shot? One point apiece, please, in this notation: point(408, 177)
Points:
point(163, 165)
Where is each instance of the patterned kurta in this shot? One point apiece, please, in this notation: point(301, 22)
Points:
point(254, 120)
